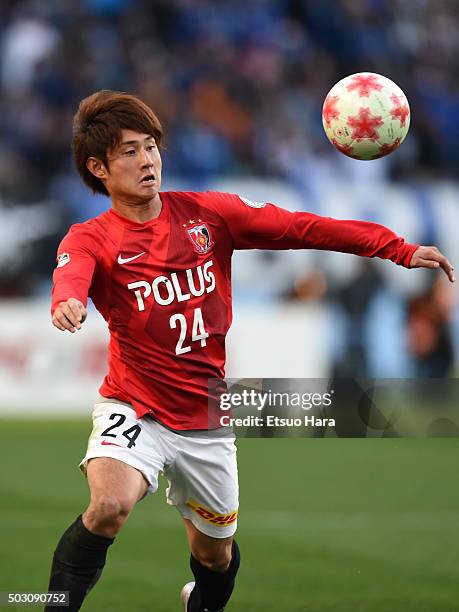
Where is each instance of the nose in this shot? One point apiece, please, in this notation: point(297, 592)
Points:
point(146, 158)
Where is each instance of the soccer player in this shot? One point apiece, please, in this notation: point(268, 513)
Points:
point(157, 266)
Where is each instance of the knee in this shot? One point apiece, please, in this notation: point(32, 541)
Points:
point(106, 515)
point(215, 559)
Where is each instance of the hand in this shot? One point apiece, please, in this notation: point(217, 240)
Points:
point(431, 257)
point(69, 315)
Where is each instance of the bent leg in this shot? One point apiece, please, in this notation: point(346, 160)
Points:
point(80, 555)
point(213, 553)
point(214, 563)
point(115, 488)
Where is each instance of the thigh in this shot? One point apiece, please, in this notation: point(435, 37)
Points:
point(203, 484)
point(115, 488)
point(120, 480)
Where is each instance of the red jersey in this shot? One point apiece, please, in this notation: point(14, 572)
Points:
point(164, 288)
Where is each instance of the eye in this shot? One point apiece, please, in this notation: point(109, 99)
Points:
point(151, 147)
point(130, 152)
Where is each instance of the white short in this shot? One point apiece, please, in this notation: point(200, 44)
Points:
point(201, 470)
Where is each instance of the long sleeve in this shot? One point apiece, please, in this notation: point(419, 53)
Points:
point(76, 262)
point(259, 226)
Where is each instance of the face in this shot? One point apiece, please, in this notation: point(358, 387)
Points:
point(133, 173)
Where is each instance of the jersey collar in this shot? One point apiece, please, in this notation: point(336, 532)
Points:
point(135, 225)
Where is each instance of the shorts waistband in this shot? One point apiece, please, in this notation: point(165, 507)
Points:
point(112, 400)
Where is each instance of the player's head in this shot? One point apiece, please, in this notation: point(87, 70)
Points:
point(116, 142)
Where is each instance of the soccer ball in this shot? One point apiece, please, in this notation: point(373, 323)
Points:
point(366, 116)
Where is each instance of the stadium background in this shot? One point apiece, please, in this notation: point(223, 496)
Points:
point(325, 524)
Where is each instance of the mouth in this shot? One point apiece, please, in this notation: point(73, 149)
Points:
point(148, 179)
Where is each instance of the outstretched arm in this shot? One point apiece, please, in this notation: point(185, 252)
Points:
point(431, 257)
point(267, 226)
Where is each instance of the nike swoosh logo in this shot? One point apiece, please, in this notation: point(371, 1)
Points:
point(122, 260)
point(105, 443)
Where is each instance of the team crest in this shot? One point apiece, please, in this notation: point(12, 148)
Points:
point(200, 237)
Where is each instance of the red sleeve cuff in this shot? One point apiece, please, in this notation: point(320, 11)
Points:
point(406, 254)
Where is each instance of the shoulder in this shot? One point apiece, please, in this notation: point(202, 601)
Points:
point(228, 209)
point(221, 201)
point(206, 199)
point(207, 205)
point(86, 235)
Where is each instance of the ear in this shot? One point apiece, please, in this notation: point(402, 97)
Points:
point(97, 167)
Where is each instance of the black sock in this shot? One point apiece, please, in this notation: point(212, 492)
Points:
point(77, 563)
point(213, 589)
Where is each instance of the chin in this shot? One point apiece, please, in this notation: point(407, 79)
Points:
point(146, 193)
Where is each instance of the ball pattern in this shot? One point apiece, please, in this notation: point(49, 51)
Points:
point(366, 116)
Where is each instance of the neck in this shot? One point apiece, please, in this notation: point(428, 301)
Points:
point(138, 211)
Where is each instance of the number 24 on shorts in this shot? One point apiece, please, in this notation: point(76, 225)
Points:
point(130, 434)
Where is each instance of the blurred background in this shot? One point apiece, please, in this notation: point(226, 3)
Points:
point(239, 87)
point(345, 525)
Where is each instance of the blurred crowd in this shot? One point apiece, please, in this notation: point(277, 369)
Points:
point(238, 85)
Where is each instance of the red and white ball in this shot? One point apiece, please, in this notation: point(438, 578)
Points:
point(366, 116)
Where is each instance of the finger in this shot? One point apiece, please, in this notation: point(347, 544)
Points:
point(449, 271)
point(435, 264)
point(56, 323)
point(64, 321)
point(441, 260)
point(83, 312)
point(448, 268)
point(427, 263)
point(73, 327)
point(75, 309)
point(436, 255)
point(70, 315)
point(64, 326)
